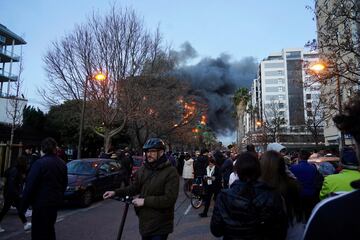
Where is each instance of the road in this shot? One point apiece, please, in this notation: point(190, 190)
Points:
point(101, 221)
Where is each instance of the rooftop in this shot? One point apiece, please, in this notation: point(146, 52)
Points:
point(10, 36)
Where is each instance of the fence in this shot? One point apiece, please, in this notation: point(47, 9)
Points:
point(5, 148)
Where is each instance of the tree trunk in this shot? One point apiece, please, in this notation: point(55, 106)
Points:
point(107, 140)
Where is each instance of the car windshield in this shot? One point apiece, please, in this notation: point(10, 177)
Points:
point(81, 168)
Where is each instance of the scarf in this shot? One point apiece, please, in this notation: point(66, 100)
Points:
point(210, 173)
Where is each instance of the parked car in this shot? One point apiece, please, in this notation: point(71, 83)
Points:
point(88, 179)
point(137, 163)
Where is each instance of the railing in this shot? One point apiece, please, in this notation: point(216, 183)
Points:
point(7, 74)
point(8, 53)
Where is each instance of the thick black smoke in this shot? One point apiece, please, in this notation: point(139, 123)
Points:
point(216, 80)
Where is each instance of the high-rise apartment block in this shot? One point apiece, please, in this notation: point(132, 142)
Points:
point(283, 98)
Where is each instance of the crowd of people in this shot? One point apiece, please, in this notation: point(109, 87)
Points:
point(272, 195)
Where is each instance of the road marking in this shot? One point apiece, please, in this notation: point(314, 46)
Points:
point(188, 209)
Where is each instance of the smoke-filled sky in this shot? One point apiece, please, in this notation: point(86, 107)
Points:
point(216, 80)
point(215, 30)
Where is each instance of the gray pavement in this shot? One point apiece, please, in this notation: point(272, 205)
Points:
point(101, 220)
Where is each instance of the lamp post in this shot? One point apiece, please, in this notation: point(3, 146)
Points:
point(320, 67)
point(99, 77)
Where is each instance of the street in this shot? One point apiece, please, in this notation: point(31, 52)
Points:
point(102, 219)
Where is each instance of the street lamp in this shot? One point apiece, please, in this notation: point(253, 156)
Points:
point(98, 77)
point(319, 68)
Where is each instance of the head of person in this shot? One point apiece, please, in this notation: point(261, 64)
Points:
point(272, 168)
point(247, 167)
point(348, 158)
point(250, 148)
point(28, 150)
point(187, 156)
point(211, 160)
point(304, 154)
point(48, 146)
point(204, 152)
point(154, 148)
point(348, 121)
point(219, 157)
point(276, 147)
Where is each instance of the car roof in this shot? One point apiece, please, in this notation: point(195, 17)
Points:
point(92, 160)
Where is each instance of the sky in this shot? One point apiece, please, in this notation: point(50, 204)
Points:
point(240, 28)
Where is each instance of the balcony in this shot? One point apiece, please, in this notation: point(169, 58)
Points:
point(6, 77)
point(5, 56)
point(7, 108)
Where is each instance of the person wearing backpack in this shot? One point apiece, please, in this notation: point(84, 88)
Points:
point(14, 181)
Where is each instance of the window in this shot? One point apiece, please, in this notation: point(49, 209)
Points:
point(105, 168)
point(271, 81)
point(281, 97)
point(272, 97)
point(308, 96)
point(281, 105)
point(272, 89)
point(293, 55)
point(274, 73)
point(281, 89)
point(309, 114)
point(308, 105)
point(274, 65)
point(281, 81)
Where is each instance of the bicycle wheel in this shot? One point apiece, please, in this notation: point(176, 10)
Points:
point(187, 189)
point(196, 201)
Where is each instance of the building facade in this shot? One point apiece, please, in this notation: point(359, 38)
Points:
point(339, 48)
point(284, 99)
point(11, 102)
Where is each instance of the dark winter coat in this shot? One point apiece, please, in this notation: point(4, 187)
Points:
point(46, 183)
point(260, 215)
point(14, 183)
point(336, 217)
point(200, 165)
point(159, 186)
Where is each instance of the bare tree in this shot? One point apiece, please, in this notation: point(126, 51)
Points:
point(317, 115)
point(116, 44)
point(15, 106)
point(274, 121)
point(339, 38)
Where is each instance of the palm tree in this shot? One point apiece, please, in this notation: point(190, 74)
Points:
point(240, 100)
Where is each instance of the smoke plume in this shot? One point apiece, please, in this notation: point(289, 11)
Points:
point(215, 80)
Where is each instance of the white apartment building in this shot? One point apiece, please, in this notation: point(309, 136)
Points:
point(8, 76)
point(284, 89)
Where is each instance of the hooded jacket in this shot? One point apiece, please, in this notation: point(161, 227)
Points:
point(237, 216)
point(159, 186)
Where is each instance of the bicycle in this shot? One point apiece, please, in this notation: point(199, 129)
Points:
point(197, 193)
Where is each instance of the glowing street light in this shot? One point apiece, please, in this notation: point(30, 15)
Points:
point(98, 77)
point(317, 67)
point(320, 68)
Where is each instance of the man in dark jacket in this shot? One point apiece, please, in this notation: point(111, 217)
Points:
point(14, 180)
point(157, 183)
point(201, 163)
point(44, 190)
point(310, 180)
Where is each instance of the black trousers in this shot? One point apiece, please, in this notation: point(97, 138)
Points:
point(210, 191)
point(157, 237)
point(43, 221)
point(12, 201)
